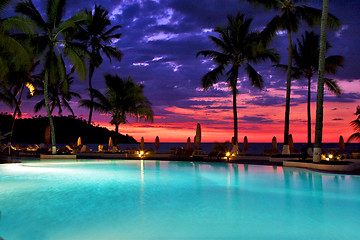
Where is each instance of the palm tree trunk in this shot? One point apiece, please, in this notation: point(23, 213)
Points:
point(117, 128)
point(309, 116)
point(286, 149)
point(320, 88)
point(47, 106)
point(91, 72)
point(15, 111)
point(235, 115)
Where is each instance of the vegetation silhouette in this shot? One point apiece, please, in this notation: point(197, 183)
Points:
point(52, 44)
point(95, 33)
point(68, 130)
point(123, 97)
point(306, 62)
point(239, 47)
point(290, 13)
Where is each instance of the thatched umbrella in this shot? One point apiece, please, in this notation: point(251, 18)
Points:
point(142, 143)
point(246, 144)
point(47, 135)
point(78, 142)
point(188, 143)
point(157, 143)
point(291, 142)
point(197, 136)
point(111, 144)
point(341, 144)
point(274, 143)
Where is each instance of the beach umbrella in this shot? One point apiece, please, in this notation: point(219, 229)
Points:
point(198, 136)
point(188, 143)
point(341, 144)
point(157, 143)
point(47, 135)
point(142, 143)
point(274, 143)
point(78, 142)
point(291, 142)
point(246, 144)
point(110, 143)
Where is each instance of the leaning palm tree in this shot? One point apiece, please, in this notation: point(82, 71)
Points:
point(122, 98)
point(60, 94)
point(290, 12)
point(238, 47)
point(14, 84)
point(52, 44)
point(306, 62)
point(356, 125)
point(98, 37)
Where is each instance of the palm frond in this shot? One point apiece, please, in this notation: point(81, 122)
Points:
point(332, 63)
point(4, 4)
point(271, 29)
point(72, 23)
point(269, 4)
point(332, 85)
point(112, 52)
point(354, 136)
point(39, 105)
point(212, 77)
point(28, 9)
point(312, 17)
point(75, 53)
point(255, 78)
point(54, 12)
point(109, 33)
point(18, 23)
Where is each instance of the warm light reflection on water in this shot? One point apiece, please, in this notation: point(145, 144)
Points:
point(174, 200)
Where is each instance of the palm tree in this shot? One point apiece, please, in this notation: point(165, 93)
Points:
point(52, 44)
point(356, 125)
point(13, 88)
point(123, 97)
point(290, 12)
point(59, 93)
point(238, 47)
point(97, 36)
point(320, 89)
point(306, 62)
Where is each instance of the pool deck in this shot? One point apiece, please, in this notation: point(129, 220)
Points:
point(286, 161)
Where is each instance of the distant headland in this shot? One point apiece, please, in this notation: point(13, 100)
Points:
point(68, 130)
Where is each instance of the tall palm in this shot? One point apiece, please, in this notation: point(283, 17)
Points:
point(356, 126)
point(59, 94)
point(98, 37)
point(52, 44)
point(306, 62)
point(290, 12)
point(320, 88)
point(122, 98)
point(239, 47)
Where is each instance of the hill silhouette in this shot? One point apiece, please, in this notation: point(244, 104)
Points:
point(67, 130)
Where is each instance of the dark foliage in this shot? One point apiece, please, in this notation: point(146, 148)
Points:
point(68, 129)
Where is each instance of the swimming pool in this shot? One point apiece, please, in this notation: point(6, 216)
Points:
point(174, 200)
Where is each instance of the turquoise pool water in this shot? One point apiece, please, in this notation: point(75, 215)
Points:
point(174, 200)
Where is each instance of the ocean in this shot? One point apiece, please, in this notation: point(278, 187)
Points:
point(254, 148)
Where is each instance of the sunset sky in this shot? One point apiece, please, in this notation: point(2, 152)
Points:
point(160, 40)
